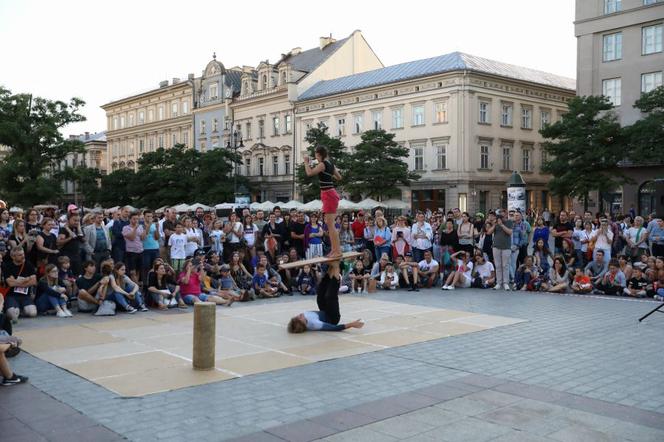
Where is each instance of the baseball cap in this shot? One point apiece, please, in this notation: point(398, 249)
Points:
point(225, 268)
point(71, 208)
point(360, 213)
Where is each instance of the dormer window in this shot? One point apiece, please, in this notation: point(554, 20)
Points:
point(213, 91)
point(283, 77)
point(264, 81)
point(245, 87)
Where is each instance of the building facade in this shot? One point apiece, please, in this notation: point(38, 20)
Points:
point(94, 157)
point(145, 122)
point(467, 122)
point(620, 55)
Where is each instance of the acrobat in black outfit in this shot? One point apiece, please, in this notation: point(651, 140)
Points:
point(328, 316)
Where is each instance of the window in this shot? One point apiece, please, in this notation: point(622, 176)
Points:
point(507, 157)
point(440, 111)
point(141, 117)
point(116, 124)
point(174, 110)
point(161, 142)
point(202, 127)
point(185, 107)
point(288, 121)
point(141, 146)
point(418, 115)
point(264, 82)
point(151, 144)
point(525, 158)
point(545, 118)
point(261, 129)
point(275, 165)
point(484, 156)
point(286, 164)
point(612, 47)
point(185, 138)
point(545, 157)
point(506, 115)
point(203, 146)
point(651, 39)
point(611, 88)
point(215, 125)
point(377, 118)
point(213, 91)
point(484, 112)
point(160, 113)
point(122, 121)
point(463, 202)
point(341, 127)
point(150, 115)
point(247, 167)
point(611, 6)
point(248, 130)
point(418, 155)
point(651, 81)
point(261, 166)
point(357, 124)
point(441, 156)
point(650, 2)
point(131, 120)
point(397, 118)
point(174, 140)
point(275, 125)
point(526, 118)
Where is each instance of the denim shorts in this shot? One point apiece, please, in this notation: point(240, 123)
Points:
point(189, 299)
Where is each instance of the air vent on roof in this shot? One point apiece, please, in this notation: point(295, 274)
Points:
point(175, 80)
point(163, 83)
point(190, 77)
point(295, 51)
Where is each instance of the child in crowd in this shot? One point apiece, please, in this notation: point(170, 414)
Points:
point(66, 275)
point(582, 283)
point(637, 286)
point(359, 277)
point(177, 243)
point(613, 282)
point(228, 289)
point(389, 280)
point(306, 281)
point(462, 276)
point(260, 283)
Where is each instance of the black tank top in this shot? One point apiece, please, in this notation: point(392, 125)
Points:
point(325, 178)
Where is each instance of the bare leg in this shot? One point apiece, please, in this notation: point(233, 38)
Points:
point(334, 236)
point(5, 369)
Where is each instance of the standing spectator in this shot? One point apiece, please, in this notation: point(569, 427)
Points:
point(541, 230)
point(20, 238)
point(313, 234)
point(233, 237)
point(250, 234)
point(20, 276)
point(369, 234)
point(70, 241)
point(32, 220)
point(358, 230)
point(400, 238)
point(637, 239)
point(346, 237)
point(297, 233)
point(382, 238)
point(177, 245)
point(603, 239)
point(657, 237)
point(260, 220)
point(217, 237)
point(519, 241)
point(46, 245)
point(97, 241)
point(421, 236)
point(502, 244)
point(166, 229)
point(273, 235)
point(133, 234)
point(119, 244)
point(194, 237)
point(466, 233)
point(150, 238)
point(563, 229)
point(486, 239)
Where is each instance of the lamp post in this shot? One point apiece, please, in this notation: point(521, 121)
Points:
point(235, 142)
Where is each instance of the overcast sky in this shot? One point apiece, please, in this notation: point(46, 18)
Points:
point(105, 50)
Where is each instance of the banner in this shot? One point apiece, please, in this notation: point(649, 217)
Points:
point(516, 199)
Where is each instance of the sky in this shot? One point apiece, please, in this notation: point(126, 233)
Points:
point(103, 50)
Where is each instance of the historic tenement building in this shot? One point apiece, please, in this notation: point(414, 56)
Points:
point(467, 121)
point(94, 157)
point(619, 54)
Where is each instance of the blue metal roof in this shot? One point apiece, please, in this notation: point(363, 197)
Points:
point(97, 136)
point(421, 68)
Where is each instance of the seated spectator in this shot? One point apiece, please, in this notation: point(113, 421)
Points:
point(582, 283)
point(613, 282)
point(240, 273)
point(52, 294)
point(21, 277)
point(625, 266)
point(161, 286)
point(9, 377)
point(389, 279)
point(462, 276)
point(596, 268)
point(558, 281)
point(260, 283)
point(125, 291)
point(568, 254)
point(367, 259)
point(274, 278)
point(638, 285)
point(658, 279)
point(306, 281)
point(91, 288)
point(229, 290)
point(408, 272)
point(428, 270)
point(66, 275)
point(526, 273)
point(359, 277)
point(541, 256)
point(484, 273)
point(190, 286)
point(650, 267)
point(379, 266)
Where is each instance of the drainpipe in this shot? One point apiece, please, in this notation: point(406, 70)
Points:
point(293, 163)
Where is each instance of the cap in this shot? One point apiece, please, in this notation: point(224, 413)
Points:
point(225, 268)
point(360, 213)
point(71, 208)
point(199, 252)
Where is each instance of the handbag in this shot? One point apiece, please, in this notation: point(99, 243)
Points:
point(379, 240)
point(107, 308)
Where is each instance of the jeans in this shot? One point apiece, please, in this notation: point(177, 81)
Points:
point(522, 279)
point(383, 249)
point(502, 263)
point(514, 257)
point(120, 299)
point(45, 303)
point(149, 255)
point(98, 257)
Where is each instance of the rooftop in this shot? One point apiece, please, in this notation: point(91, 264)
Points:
point(307, 61)
point(455, 61)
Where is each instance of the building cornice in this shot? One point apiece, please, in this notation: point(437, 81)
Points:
point(173, 87)
point(150, 127)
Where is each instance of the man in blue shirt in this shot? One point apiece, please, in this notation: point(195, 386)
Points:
point(519, 241)
point(119, 244)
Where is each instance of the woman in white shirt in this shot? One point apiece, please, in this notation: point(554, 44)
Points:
point(233, 236)
point(603, 238)
point(194, 237)
point(636, 237)
point(249, 232)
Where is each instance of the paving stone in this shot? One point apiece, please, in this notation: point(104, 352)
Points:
point(343, 420)
point(301, 431)
point(582, 434)
point(472, 430)
point(400, 427)
point(362, 434)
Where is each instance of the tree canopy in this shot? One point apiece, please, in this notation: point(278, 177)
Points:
point(646, 136)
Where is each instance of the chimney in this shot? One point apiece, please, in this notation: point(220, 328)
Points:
point(73, 137)
point(324, 41)
point(190, 77)
point(163, 83)
point(175, 80)
point(295, 51)
point(87, 135)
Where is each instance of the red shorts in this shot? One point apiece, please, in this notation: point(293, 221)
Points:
point(330, 199)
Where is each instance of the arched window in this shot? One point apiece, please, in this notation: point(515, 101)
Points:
point(122, 164)
point(264, 82)
point(130, 164)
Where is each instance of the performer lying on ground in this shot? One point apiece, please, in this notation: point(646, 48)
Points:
point(328, 316)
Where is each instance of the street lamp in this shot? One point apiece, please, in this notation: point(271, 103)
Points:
point(235, 142)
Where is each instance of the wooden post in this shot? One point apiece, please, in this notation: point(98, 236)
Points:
point(205, 315)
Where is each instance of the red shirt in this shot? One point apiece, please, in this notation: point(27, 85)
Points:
point(193, 287)
point(358, 229)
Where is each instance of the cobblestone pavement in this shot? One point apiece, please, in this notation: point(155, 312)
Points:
point(589, 348)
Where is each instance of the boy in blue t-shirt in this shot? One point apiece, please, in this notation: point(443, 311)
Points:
point(228, 289)
point(306, 281)
point(260, 283)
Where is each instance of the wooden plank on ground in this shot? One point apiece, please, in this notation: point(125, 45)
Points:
point(320, 260)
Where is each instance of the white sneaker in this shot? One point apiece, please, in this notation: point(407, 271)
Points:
point(507, 287)
point(68, 312)
point(450, 287)
point(61, 314)
point(496, 287)
point(444, 287)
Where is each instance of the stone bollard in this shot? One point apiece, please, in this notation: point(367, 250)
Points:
point(205, 316)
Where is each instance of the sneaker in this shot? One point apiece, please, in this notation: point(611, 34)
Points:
point(131, 309)
point(451, 287)
point(507, 287)
point(496, 287)
point(364, 292)
point(143, 308)
point(61, 314)
point(15, 379)
point(68, 312)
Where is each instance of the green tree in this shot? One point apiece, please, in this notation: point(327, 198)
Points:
point(585, 149)
point(31, 128)
point(214, 182)
point(117, 188)
point(376, 168)
point(318, 136)
point(646, 136)
point(86, 180)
